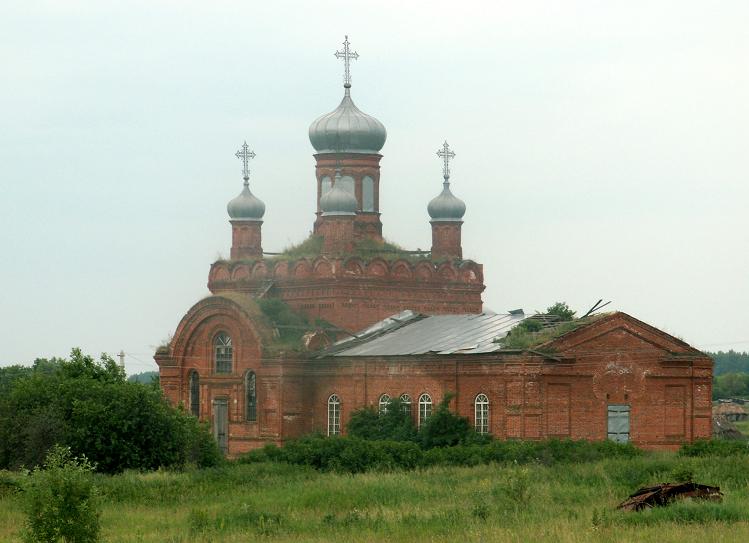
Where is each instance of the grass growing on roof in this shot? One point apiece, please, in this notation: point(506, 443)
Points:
point(529, 333)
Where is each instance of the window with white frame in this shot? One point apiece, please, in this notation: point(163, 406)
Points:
point(406, 403)
point(383, 404)
point(222, 353)
point(334, 416)
point(425, 408)
point(481, 411)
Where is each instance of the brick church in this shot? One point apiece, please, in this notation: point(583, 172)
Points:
point(292, 343)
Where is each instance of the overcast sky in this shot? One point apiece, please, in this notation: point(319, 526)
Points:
point(601, 152)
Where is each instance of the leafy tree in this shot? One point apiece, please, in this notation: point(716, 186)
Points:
point(562, 310)
point(60, 500)
point(394, 423)
point(730, 362)
point(444, 428)
point(88, 406)
point(730, 385)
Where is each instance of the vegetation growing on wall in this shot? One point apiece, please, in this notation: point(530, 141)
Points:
point(532, 332)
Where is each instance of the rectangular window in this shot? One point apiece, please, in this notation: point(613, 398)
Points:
point(223, 359)
point(618, 423)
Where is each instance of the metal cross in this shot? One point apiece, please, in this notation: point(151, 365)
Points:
point(446, 155)
point(346, 55)
point(244, 154)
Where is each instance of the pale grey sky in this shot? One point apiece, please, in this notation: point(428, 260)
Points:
point(601, 151)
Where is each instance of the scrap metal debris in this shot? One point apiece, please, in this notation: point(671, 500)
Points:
point(665, 493)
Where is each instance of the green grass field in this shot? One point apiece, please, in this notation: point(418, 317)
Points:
point(278, 502)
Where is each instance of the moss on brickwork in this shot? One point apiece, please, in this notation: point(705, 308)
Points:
point(282, 328)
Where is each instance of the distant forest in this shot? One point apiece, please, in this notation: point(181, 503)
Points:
point(730, 362)
point(146, 377)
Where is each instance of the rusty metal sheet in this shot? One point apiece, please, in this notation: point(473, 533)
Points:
point(665, 493)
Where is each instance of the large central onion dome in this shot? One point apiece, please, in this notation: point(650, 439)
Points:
point(347, 129)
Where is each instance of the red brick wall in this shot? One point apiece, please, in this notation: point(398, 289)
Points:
point(446, 241)
point(353, 293)
point(246, 240)
point(615, 361)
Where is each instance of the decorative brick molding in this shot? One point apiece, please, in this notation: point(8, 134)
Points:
point(353, 293)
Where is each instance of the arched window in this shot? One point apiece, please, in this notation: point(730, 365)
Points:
point(325, 185)
point(406, 403)
point(194, 393)
point(481, 410)
point(348, 183)
point(334, 416)
point(222, 353)
point(384, 403)
point(425, 408)
point(367, 193)
point(250, 391)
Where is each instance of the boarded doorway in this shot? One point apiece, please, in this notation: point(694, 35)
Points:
point(618, 423)
point(221, 423)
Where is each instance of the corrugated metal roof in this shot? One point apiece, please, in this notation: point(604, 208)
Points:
point(410, 333)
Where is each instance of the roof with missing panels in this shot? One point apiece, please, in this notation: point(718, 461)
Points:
point(409, 333)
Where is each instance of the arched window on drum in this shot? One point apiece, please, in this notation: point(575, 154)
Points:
point(367, 194)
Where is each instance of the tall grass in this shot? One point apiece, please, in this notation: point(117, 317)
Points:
point(536, 501)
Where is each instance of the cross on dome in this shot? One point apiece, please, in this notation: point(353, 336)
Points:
point(446, 154)
point(245, 155)
point(346, 55)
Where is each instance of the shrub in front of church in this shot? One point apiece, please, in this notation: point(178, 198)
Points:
point(445, 428)
point(341, 454)
point(355, 455)
point(60, 500)
point(89, 406)
point(394, 423)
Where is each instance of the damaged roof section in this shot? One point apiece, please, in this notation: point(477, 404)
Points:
point(409, 333)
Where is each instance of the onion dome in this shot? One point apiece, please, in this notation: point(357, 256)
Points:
point(446, 206)
point(338, 201)
point(347, 129)
point(246, 206)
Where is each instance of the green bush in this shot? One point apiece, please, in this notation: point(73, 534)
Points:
point(444, 428)
point(60, 500)
point(715, 447)
point(394, 423)
point(89, 406)
point(355, 455)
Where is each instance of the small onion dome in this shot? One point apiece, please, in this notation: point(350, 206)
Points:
point(338, 201)
point(246, 206)
point(446, 206)
point(347, 129)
